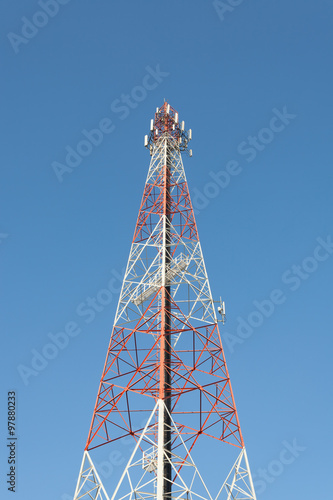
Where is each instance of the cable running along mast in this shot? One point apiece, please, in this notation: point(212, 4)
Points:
point(165, 385)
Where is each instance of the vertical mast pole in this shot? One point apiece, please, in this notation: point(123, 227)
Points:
point(164, 469)
point(167, 336)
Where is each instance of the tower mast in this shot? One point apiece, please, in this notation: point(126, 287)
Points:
point(165, 383)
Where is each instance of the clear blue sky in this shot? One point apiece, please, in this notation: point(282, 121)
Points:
point(255, 85)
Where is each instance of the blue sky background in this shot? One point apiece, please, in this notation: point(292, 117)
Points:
point(62, 242)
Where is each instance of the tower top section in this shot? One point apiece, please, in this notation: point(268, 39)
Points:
point(166, 122)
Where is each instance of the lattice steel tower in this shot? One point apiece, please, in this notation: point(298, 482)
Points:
point(165, 383)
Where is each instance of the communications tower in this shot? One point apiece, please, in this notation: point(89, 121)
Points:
point(165, 386)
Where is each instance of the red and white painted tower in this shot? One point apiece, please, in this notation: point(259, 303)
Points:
point(165, 382)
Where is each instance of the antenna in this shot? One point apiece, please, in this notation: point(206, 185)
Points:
point(166, 120)
point(221, 310)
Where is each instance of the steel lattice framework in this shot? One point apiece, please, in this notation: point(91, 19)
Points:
point(165, 381)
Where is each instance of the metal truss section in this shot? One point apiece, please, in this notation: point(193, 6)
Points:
point(141, 477)
point(239, 484)
point(130, 384)
point(89, 485)
point(166, 144)
point(154, 283)
point(190, 288)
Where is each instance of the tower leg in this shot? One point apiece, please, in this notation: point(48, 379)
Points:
point(89, 484)
point(239, 482)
